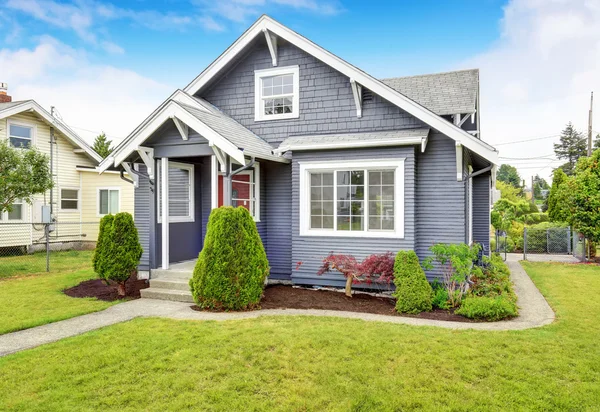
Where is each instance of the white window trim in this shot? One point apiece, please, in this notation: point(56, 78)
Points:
point(4, 215)
point(178, 219)
point(60, 208)
point(32, 126)
point(470, 206)
point(254, 179)
point(259, 113)
point(307, 167)
point(98, 199)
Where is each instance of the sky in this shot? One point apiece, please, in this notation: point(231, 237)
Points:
point(106, 65)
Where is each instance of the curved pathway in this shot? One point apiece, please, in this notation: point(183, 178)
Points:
point(534, 312)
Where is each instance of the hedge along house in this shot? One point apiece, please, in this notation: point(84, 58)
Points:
point(325, 157)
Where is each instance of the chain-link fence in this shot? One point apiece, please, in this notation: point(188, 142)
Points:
point(579, 247)
point(556, 240)
point(28, 247)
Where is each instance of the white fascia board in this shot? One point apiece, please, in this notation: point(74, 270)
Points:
point(31, 105)
point(350, 145)
point(386, 92)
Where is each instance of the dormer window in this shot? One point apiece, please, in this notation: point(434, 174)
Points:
point(276, 93)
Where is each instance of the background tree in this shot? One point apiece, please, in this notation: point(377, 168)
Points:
point(509, 192)
point(23, 174)
point(539, 184)
point(572, 146)
point(557, 207)
point(584, 189)
point(509, 175)
point(597, 142)
point(102, 145)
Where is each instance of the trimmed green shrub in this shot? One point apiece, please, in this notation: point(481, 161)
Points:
point(102, 245)
point(232, 267)
point(440, 296)
point(123, 251)
point(534, 218)
point(413, 291)
point(487, 308)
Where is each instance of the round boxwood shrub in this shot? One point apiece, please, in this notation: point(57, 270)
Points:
point(123, 250)
point(232, 267)
point(413, 291)
point(102, 244)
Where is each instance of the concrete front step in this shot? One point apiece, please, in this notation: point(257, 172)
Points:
point(170, 273)
point(168, 294)
point(170, 283)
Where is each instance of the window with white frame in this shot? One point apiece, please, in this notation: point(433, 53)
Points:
point(245, 190)
point(276, 93)
point(108, 201)
point(20, 135)
point(364, 198)
point(69, 199)
point(17, 212)
point(181, 192)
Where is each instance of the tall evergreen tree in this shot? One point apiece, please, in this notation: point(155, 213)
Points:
point(508, 174)
point(102, 145)
point(572, 146)
point(597, 142)
point(557, 204)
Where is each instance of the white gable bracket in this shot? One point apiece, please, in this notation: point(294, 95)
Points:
point(183, 128)
point(133, 176)
point(464, 119)
point(459, 162)
point(219, 155)
point(357, 92)
point(147, 155)
point(272, 43)
point(424, 143)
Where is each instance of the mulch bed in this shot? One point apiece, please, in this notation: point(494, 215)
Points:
point(96, 288)
point(288, 297)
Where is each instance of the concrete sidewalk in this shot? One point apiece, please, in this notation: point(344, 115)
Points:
point(534, 312)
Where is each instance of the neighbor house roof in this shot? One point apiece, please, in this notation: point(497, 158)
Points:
point(344, 141)
point(13, 108)
point(442, 93)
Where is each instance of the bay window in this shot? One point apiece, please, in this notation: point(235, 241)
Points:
point(363, 198)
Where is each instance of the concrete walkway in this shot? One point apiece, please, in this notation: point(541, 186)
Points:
point(534, 312)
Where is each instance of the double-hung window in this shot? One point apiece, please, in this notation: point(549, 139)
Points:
point(276, 93)
point(20, 135)
point(181, 192)
point(17, 212)
point(69, 199)
point(363, 198)
point(108, 201)
point(245, 190)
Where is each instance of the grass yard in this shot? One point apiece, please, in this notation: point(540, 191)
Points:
point(304, 363)
point(35, 264)
point(33, 299)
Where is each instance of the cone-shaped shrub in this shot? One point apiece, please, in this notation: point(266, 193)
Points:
point(413, 291)
point(123, 251)
point(102, 245)
point(232, 267)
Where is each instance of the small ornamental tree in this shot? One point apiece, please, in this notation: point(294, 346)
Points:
point(102, 244)
point(585, 197)
point(123, 251)
point(376, 268)
point(413, 291)
point(232, 267)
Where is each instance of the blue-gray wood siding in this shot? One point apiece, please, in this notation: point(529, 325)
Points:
point(326, 100)
point(278, 217)
point(310, 250)
point(440, 207)
point(481, 209)
point(142, 217)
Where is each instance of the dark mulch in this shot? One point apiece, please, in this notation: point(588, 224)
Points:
point(287, 297)
point(96, 288)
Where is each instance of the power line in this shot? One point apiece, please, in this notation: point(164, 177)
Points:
point(527, 158)
point(526, 140)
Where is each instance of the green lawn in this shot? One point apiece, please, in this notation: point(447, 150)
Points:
point(35, 264)
point(30, 298)
point(305, 363)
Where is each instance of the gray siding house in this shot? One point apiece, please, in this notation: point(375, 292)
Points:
point(325, 157)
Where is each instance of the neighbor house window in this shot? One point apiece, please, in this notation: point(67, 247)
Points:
point(69, 199)
point(276, 93)
point(245, 190)
point(181, 192)
point(108, 201)
point(20, 135)
point(17, 212)
point(363, 198)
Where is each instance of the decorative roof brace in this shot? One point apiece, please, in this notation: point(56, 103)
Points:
point(272, 43)
point(357, 92)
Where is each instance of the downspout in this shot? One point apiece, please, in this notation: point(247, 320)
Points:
point(122, 174)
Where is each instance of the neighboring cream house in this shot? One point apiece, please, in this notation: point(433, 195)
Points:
point(80, 196)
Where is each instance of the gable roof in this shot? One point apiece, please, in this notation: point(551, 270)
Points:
point(348, 140)
point(13, 108)
point(266, 24)
point(442, 93)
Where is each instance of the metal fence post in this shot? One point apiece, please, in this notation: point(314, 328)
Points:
point(525, 244)
point(47, 233)
point(568, 240)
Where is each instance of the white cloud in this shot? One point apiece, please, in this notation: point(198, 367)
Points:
point(539, 75)
point(90, 96)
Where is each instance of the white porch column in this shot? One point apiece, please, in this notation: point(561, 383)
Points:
point(164, 187)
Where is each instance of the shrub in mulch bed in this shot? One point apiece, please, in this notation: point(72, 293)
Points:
point(288, 297)
point(97, 288)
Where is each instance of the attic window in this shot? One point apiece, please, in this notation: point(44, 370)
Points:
point(276, 93)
